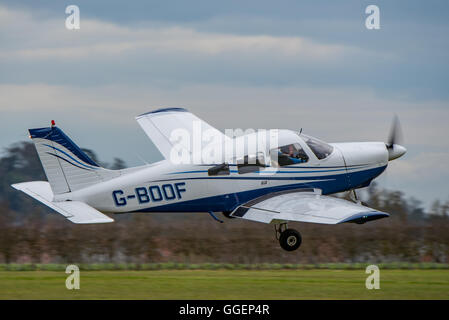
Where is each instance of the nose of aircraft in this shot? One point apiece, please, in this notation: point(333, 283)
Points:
point(395, 151)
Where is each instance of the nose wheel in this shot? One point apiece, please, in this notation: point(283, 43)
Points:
point(289, 239)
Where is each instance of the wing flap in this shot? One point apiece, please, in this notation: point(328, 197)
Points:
point(75, 211)
point(306, 207)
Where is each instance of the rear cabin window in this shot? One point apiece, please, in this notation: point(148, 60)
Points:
point(250, 164)
point(289, 154)
point(219, 170)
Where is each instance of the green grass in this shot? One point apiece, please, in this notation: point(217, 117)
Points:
point(218, 266)
point(227, 284)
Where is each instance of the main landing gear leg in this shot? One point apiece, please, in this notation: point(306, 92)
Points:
point(356, 198)
point(289, 239)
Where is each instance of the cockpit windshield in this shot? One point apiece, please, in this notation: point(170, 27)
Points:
point(320, 148)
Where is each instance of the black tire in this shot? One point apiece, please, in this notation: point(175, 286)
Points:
point(290, 240)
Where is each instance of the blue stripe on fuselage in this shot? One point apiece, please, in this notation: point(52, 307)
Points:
point(359, 177)
point(283, 170)
point(275, 171)
point(228, 202)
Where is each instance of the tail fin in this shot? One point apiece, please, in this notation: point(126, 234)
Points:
point(66, 166)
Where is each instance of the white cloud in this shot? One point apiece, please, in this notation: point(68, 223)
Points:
point(343, 114)
point(48, 39)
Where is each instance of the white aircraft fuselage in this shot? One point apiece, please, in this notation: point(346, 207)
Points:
point(164, 187)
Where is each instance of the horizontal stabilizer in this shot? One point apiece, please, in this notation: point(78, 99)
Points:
point(75, 211)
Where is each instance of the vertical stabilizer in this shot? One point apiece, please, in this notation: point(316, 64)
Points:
point(66, 166)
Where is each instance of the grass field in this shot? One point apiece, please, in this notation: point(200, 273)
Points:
point(226, 284)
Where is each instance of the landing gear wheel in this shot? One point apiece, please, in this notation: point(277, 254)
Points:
point(290, 239)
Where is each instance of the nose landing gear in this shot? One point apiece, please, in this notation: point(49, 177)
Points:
point(289, 239)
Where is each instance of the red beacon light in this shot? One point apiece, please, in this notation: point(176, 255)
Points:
point(53, 123)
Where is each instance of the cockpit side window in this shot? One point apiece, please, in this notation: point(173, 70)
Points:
point(320, 148)
point(289, 154)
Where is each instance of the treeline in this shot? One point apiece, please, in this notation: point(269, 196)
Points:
point(31, 233)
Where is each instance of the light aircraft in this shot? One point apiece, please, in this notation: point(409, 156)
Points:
point(290, 182)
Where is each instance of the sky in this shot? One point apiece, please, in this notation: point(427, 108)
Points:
point(236, 64)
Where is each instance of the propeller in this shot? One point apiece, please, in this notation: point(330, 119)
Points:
point(395, 150)
point(395, 136)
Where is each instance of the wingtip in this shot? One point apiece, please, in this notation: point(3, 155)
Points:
point(161, 110)
point(364, 217)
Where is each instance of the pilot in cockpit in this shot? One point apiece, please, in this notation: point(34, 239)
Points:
point(295, 154)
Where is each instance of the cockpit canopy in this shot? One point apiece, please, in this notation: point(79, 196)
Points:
point(294, 153)
point(294, 148)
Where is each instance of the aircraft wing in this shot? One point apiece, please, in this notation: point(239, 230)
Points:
point(305, 206)
point(160, 124)
point(75, 211)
